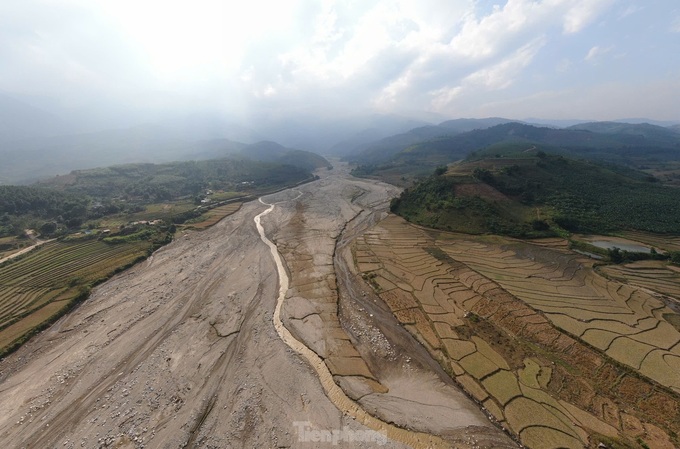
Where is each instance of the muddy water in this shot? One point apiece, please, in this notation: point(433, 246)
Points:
point(606, 244)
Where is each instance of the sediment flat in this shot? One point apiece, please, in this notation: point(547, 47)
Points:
point(182, 351)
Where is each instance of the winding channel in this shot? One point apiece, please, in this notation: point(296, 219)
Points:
point(334, 393)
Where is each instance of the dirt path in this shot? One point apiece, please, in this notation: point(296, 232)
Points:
point(180, 351)
point(25, 250)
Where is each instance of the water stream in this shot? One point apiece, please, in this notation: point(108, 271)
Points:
point(336, 395)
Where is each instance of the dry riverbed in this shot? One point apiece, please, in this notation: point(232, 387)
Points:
point(181, 351)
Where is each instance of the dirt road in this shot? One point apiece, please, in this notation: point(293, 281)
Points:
point(182, 351)
point(25, 250)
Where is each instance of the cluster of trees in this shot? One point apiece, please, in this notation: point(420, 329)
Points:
point(164, 182)
point(41, 202)
point(577, 196)
point(55, 207)
point(617, 255)
point(23, 207)
point(675, 257)
point(588, 197)
point(433, 202)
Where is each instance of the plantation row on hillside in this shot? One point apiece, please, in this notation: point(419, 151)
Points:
point(540, 196)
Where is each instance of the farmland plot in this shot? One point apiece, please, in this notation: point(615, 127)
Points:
point(624, 322)
point(38, 286)
point(651, 274)
point(530, 331)
point(214, 215)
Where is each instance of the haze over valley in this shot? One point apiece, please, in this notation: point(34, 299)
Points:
point(408, 224)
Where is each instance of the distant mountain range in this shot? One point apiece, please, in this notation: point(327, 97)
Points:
point(36, 159)
point(571, 122)
point(536, 181)
point(35, 144)
point(332, 135)
point(604, 140)
point(383, 149)
point(19, 121)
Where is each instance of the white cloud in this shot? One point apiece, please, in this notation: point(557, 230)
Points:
point(390, 94)
point(494, 77)
point(596, 53)
point(490, 34)
point(444, 98)
point(488, 52)
point(486, 36)
point(389, 54)
point(581, 13)
point(502, 74)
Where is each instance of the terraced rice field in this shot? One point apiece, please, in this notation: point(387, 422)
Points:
point(214, 215)
point(625, 322)
point(549, 347)
point(665, 243)
point(40, 284)
point(654, 275)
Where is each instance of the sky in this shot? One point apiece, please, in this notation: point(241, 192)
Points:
point(558, 59)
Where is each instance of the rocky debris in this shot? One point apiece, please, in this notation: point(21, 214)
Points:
point(153, 358)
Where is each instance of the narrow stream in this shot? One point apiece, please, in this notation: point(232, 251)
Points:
point(336, 395)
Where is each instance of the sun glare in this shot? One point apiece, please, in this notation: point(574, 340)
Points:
point(196, 38)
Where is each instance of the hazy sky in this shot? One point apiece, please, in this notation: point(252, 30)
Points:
point(595, 59)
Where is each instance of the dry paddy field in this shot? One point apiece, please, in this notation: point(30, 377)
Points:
point(654, 275)
point(41, 284)
point(558, 354)
point(214, 215)
point(665, 243)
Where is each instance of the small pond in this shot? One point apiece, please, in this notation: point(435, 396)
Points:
point(630, 247)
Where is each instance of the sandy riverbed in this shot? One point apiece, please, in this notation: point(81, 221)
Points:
point(181, 351)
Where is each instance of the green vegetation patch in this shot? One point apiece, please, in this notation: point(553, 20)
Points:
point(540, 196)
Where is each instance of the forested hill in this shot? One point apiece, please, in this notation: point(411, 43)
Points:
point(268, 151)
point(40, 202)
point(167, 181)
point(540, 195)
point(69, 201)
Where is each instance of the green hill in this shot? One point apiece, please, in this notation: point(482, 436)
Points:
point(171, 180)
point(267, 151)
point(71, 200)
point(540, 195)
